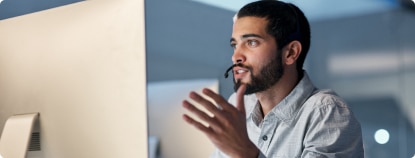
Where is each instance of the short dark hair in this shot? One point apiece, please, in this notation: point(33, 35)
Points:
point(286, 22)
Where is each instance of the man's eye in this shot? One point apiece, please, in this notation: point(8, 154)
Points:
point(233, 45)
point(253, 43)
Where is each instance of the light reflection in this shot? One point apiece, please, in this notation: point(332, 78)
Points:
point(348, 64)
point(318, 9)
point(382, 136)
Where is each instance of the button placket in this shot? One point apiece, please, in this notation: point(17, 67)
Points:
point(267, 131)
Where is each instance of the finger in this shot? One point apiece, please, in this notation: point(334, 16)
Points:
point(200, 114)
point(197, 124)
point(205, 103)
point(218, 99)
point(240, 104)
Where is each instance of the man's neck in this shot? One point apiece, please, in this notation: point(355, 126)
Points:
point(269, 98)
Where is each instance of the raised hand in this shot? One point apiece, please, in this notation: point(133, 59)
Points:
point(227, 127)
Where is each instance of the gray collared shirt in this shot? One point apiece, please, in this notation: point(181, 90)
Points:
point(307, 123)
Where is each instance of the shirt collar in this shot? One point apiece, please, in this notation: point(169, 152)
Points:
point(289, 106)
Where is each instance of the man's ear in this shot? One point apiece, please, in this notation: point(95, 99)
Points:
point(292, 52)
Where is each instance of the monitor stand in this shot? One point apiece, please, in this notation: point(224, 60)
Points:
point(17, 132)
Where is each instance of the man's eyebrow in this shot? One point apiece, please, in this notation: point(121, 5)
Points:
point(251, 35)
point(247, 36)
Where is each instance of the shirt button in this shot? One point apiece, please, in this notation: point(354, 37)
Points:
point(265, 138)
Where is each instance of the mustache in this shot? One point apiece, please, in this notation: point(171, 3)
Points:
point(226, 75)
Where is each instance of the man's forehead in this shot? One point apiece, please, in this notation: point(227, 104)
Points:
point(250, 23)
point(235, 17)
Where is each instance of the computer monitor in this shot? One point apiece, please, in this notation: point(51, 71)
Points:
point(82, 68)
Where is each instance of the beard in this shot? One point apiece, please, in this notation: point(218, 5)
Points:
point(270, 74)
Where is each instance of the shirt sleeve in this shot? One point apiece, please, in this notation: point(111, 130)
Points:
point(218, 154)
point(333, 133)
point(261, 155)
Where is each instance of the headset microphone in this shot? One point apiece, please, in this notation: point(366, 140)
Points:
point(227, 71)
point(230, 68)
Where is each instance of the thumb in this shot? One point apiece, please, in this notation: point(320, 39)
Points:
point(240, 105)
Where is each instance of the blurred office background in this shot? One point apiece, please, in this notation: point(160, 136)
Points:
point(364, 50)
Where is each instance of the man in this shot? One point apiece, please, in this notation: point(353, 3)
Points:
point(276, 110)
